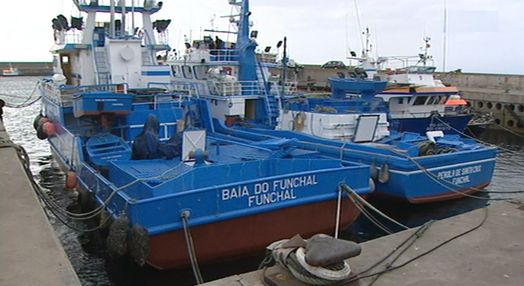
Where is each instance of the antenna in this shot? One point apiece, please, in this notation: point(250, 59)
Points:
point(359, 24)
point(212, 21)
point(445, 36)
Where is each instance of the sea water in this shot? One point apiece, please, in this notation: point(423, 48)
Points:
point(91, 264)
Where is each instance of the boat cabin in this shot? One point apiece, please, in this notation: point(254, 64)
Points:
point(100, 50)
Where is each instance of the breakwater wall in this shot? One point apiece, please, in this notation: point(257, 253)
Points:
point(502, 95)
point(30, 68)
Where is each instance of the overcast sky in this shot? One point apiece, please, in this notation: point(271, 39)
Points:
point(484, 36)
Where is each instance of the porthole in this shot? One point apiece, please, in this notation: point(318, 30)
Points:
point(497, 121)
point(511, 107)
point(520, 108)
point(480, 104)
point(511, 123)
point(489, 105)
point(498, 106)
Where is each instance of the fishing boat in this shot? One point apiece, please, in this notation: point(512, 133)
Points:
point(11, 71)
point(417, 101)
point(351, 124)
point(448, 166)
point(148, 164)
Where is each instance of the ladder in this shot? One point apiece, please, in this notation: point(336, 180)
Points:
point(103, 76)
point(270, 99)
point(147, 58)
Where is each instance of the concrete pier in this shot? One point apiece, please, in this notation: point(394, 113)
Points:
point(493, 254)
point(30, 253)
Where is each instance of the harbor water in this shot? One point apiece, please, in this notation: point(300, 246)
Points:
point(91, 264)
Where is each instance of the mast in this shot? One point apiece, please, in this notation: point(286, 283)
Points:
point(112, 19)
point(444, 50)
point(245, 45)
point(123, 19)
point(284, 66)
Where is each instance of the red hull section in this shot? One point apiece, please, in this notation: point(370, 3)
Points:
point(248, 235)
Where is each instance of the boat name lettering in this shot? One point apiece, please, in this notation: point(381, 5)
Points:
point(438, 126)
point(269, 192)
point(105, 99)
point(460, 175)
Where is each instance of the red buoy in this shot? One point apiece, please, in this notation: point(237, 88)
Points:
point(43, 120)
point(49, 128)
point(71, 180)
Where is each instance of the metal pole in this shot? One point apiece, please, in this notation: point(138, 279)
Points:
point(123, 27)
point(133, 15)
point(444, 50)
point(112, 19)
point(284, 63)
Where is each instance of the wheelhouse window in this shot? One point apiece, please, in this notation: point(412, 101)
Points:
point(400, 100)
point(186, 70)
point(200, 72)
point(176, 71)
point(420, 100)
point(435, 99)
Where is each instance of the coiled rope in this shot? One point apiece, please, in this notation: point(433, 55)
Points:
point(293, 259)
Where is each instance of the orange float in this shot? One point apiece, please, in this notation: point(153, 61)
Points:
point(49, 128)
point(71, 180)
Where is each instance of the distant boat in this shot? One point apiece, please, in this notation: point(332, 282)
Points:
point(11, 71)
point(417, 101)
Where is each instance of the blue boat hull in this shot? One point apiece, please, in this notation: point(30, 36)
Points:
point(245, 203)
point(417, 180)
point(455, 124)
point(461, 176)
point(341, 86)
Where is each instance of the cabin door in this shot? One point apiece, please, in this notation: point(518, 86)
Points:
point(65, 63)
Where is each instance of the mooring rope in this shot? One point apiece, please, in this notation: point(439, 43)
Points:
point(441, 182)
point(27, 102)
point(355, 195)
point(54, 208)
point(476, 139)
point(191, 247)
point(418, 233)
point(339, 206)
